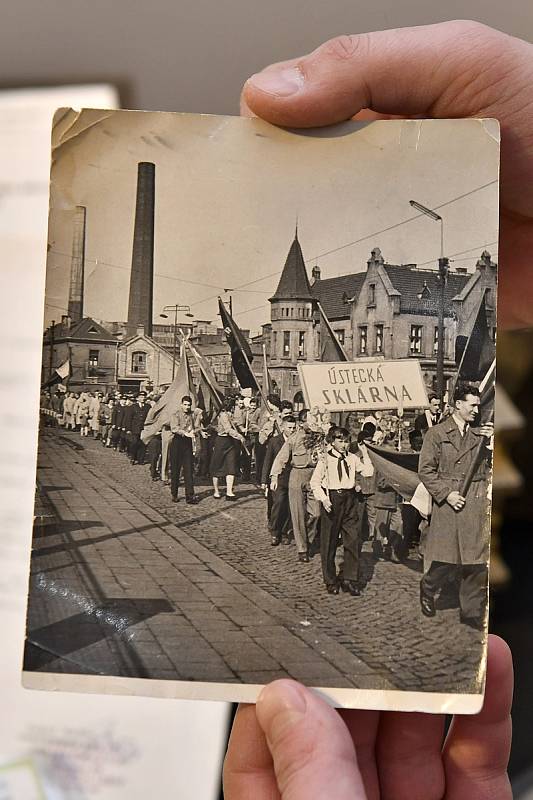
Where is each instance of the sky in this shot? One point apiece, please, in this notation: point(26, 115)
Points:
point(230, 191)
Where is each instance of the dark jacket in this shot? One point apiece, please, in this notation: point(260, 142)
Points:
point(118, 415)
point(127, 419)
point(138, 417)
point(273, 446)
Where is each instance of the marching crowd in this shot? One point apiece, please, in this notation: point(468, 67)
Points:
point(323, 491)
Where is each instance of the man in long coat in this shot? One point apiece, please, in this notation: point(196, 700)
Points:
point(458, 537)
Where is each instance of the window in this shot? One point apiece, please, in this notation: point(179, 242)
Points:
point(363, 339)
point(274, 344)
point(295, 379)
point(286, 344)
point(379, 338)
point(340, 336)
point(292, 313)
point(435, 340)
point(93, 358)
point(371, 294)
point(138, 362)
point(301, 344)
point(415, 345)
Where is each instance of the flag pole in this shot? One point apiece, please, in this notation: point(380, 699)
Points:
point(465, 486)
point(456, 380)
point(331, 331)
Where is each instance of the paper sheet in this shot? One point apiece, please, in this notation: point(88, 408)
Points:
point(63, 746)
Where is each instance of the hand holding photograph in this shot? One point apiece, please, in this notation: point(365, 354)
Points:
point(266, 412)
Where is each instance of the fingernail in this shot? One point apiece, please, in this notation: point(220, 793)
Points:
point(282, 82)
point(279, 706)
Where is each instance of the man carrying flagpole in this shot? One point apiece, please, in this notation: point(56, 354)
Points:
point(454, 467)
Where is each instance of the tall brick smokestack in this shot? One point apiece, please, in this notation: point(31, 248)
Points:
point(142, 264)
point(77, 265)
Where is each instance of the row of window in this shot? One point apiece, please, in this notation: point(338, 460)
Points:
point(416, 340)
point(286, 346)
point(138, 361)
point(288, 312)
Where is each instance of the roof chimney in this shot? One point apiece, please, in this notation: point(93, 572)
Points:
point(315, 274)
point(142, 265)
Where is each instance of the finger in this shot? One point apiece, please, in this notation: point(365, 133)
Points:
point(363, 728)
point(386, 71)
point(311, 747)
point(248, 769)
point(408, 752)
point(477, 748)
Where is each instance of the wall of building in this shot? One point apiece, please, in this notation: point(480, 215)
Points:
point(157, 363)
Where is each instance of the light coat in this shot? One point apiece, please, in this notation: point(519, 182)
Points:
point(456, 537)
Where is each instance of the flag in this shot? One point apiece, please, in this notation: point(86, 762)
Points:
point(169, 402)
point(475, 353)
point(210, 393)
point(487, 393)
point(241, 354)
point(475, 357)
point(330, 347)
point(59, 375)
point(400, 470)
point(267, 382)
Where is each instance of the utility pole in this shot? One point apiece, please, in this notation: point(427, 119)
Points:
point(51, 340)
point(444, 265)
point(175, 308)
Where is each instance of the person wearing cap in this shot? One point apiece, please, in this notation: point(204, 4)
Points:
point(366, 481)
point(278, 514)
point(116, 420)
point(301, 451)
point(125, 436)
point(333, 484)
point(136, 445)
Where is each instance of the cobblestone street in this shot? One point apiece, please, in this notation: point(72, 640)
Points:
point(126, 583)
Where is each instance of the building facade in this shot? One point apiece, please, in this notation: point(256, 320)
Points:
point(90, 349)
point(143, 364)
point(388, 311)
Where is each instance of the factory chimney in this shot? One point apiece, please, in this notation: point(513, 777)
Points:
point(142, 264)
point(77, 266)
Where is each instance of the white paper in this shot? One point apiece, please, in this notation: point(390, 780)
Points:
point(55, 745)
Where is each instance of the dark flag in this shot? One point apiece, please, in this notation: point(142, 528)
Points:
point(475, 353)
point(475, 357)
point(241, 354)
point(399, 469)
point(330, 347)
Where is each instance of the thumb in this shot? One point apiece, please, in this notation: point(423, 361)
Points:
point(443, 70)
point(311, 747)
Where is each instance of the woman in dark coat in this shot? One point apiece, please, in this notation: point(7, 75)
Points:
point(225, 461)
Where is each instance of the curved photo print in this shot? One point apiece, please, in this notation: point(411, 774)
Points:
point(266, 410)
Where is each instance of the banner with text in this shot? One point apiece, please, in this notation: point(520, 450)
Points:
point(363, 385)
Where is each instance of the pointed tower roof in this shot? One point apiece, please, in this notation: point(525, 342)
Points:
point(294, 283)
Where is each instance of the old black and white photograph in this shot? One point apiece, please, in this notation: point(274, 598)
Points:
point(266, 409)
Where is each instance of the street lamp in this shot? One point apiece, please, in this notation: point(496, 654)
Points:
point(175, 308)
point(443, 274)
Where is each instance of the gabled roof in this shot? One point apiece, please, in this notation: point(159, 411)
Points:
point(294, 283)
point(414, 282)
point(332, 293)
point(86, 329)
